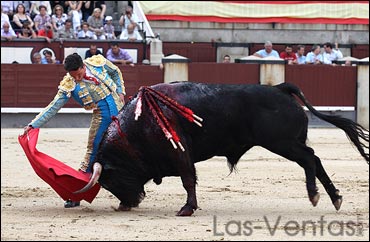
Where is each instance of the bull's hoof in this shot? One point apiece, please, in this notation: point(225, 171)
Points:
point(315, 199)
point(338, 203)
point(122, 208)
point(185, 211)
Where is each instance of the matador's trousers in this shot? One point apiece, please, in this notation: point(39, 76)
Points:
point(102, 117)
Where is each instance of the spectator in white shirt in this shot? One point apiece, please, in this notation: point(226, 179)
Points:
point(129, 17)
point(267, 51)
point(331, 54)
point(314, 57)
point(4, 18)
point(85, 32)
point(7, 8)
point(7, 32)
point(130, 34)
point(301, 58)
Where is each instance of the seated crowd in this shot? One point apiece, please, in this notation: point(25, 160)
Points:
point(315, 57)
point(115, 54)
point(58, 20)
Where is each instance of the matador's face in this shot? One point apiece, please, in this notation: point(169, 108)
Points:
point(78, 74)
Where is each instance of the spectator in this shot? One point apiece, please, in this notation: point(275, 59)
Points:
point(86, 11)
point(129, 17)
point(59, 18)
point(27, 32)
point(109, 28)
point(4, 18)
point(21, 16)
point(48, 58)
point(96, 24)
point(67, 31)
point(85, 33)
point(7, 33)
point(26, 4)
point(64, 5)
point(42, 19)
point(226, 59)
point(102, 6)
point(36, 58)
point(330, 54)
point(119, 56)
point(267, 51)
point(130, 34)
point(301, 58)
point(347, 63)
point(89, 6)
point(92, 51)
point(35, 8)
point(46, 33)
point(314, 57)
point(289, 55)
point(74, 11)
point(7, 8)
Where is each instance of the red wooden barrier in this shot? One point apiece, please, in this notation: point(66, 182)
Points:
point(325, 85)
point(224, 73)
point(27, 85)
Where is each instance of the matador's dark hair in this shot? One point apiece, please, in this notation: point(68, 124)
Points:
point(73, 62)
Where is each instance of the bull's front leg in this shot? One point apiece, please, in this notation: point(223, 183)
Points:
point(189, 183)
point(186, 170)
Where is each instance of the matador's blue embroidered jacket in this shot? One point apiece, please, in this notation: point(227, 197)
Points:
point(86, 92)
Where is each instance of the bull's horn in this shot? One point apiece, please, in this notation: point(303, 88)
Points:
point(97, 168)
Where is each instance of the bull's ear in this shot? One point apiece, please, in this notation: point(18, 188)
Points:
point(97, 168)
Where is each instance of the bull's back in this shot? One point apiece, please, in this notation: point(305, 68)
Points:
point(237, 114)
point(233, 102)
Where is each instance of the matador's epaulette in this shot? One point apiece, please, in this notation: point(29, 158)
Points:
point(96, 60)
point(67, 84)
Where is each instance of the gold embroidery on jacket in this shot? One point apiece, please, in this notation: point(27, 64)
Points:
point(67, 84)
point(96, 60)
point(85, 97)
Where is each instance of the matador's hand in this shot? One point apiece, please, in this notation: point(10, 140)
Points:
point(26, 129)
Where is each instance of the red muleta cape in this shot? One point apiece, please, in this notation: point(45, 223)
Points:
point(62, 178)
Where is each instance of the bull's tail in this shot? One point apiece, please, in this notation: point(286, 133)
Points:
point(354, 131)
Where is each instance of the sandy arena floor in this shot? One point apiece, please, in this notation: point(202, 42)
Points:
point(265, 200)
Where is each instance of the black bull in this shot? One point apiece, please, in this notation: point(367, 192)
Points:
point(235, 118)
